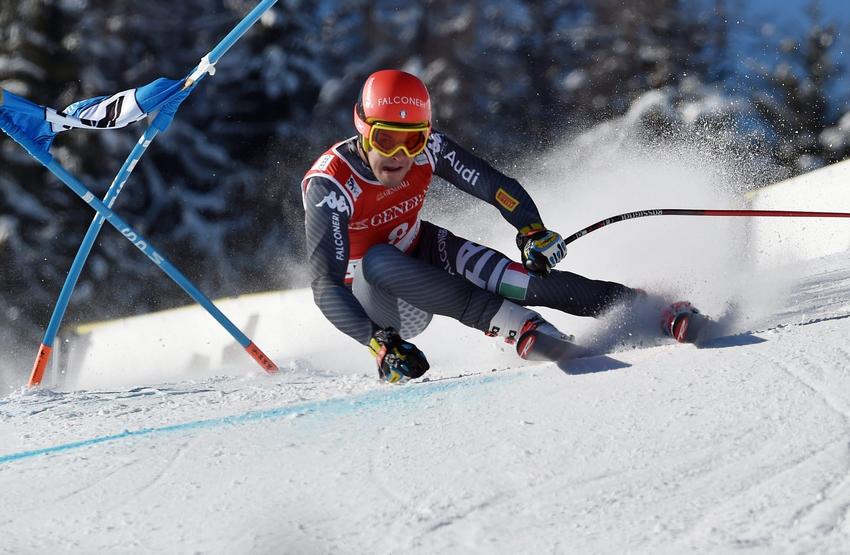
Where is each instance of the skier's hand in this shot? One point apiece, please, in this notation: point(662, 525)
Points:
point(541, 250)
point(398, 360)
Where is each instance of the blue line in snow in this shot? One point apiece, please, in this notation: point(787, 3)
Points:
point(334, 407)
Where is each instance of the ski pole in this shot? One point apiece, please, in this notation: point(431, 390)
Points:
point(702, 212)
point(143, 245)
point(159, 123)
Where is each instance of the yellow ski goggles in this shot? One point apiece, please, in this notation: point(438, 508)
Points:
point(390, 138)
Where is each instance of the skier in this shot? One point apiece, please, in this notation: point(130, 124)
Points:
point(379, 272)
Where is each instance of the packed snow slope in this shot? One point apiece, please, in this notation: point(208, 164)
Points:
point(741, 445)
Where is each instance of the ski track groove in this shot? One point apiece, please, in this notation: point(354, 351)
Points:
point(756, 479)
point(97, 481)
point(460, 515)
point(828, 494)
point(375, 474)
point(416, 509)
point(831, 493)
point(826, 501)
point(409, 509)
point(182, 449)
point(829, 399)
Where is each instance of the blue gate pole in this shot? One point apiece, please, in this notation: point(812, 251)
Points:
point(143, 245)
point(160, 123)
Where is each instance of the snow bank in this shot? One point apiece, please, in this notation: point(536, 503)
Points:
point(780, 240)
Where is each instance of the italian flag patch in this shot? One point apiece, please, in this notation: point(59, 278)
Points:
point(514, 282)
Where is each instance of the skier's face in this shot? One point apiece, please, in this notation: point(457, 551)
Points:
point(390, 170)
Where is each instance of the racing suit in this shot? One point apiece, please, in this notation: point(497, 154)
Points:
point(375, 263)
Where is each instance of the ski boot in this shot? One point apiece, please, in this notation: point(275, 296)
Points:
point(534, 337)
point(683, 322)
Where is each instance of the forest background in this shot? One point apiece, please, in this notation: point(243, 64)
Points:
point(219, 192)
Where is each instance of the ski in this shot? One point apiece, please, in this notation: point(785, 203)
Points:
point(695, 328)
point(536, 345)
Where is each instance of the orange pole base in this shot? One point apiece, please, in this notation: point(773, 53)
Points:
point(41, 360)
point(261, 358)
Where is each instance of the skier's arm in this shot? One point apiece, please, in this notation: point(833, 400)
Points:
point(470, 173)
point(541, 249)
point(326, 226)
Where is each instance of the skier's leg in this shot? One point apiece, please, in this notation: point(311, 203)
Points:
point(388, 311)
point(491, 270)
point(388, 279)
point(386, 274)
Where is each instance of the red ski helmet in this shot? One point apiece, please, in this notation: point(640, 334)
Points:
point(393, 97)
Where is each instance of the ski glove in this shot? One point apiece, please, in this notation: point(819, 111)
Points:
point(398, 360)
point(541, 250)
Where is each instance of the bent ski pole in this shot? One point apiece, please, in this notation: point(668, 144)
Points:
point(159, 123)
point(701, 212)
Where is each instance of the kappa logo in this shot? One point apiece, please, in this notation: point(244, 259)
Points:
point(353, 188)
point(435, 144)
point(335, 202)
